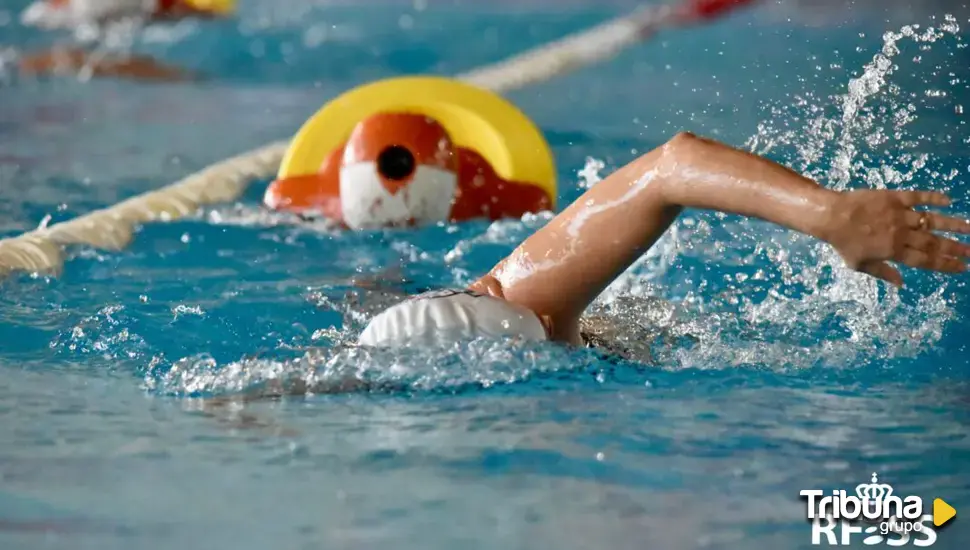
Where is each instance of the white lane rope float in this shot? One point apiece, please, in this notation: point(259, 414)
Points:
point(44, 250)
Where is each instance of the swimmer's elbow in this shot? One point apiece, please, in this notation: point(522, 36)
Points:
point(682, 139)
point(683, 147)
point(679, 153)
point(683, 157)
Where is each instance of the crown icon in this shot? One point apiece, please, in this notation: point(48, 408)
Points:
point(874, 491)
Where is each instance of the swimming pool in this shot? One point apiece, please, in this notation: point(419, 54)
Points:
point(779, 371)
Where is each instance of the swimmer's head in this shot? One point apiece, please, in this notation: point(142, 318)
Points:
point(443, 317)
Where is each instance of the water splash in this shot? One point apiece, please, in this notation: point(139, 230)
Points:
point(806, 308)
point(246, 215)
point(464, 366)
point(109, 333)
point(590, 174)
point(741, 292)
point(504, 233)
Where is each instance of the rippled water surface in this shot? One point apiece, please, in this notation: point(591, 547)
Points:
point(133, 408)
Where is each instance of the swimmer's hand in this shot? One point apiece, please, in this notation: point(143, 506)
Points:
point(870, 228)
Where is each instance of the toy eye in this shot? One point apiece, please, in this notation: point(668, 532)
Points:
point(395, 162)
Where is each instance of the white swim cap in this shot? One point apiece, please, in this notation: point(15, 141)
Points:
point(446, 316)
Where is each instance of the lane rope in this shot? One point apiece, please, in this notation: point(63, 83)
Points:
point(44, 250)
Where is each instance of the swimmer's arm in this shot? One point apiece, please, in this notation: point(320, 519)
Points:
point(559, 270)
point(701, 173)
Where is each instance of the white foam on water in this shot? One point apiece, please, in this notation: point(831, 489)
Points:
point(814, 310)
point(346, 368)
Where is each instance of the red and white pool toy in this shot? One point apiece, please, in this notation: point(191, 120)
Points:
point(416, 151)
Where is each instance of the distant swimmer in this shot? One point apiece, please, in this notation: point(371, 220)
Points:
point(74, 14)
point(542, 289)
point(70, 14)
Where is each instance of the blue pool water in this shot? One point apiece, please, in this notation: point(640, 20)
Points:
point(777, 370)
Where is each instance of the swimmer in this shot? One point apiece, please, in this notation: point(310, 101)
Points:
point(542, 289)
point(75, 14)
point(70, 14)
